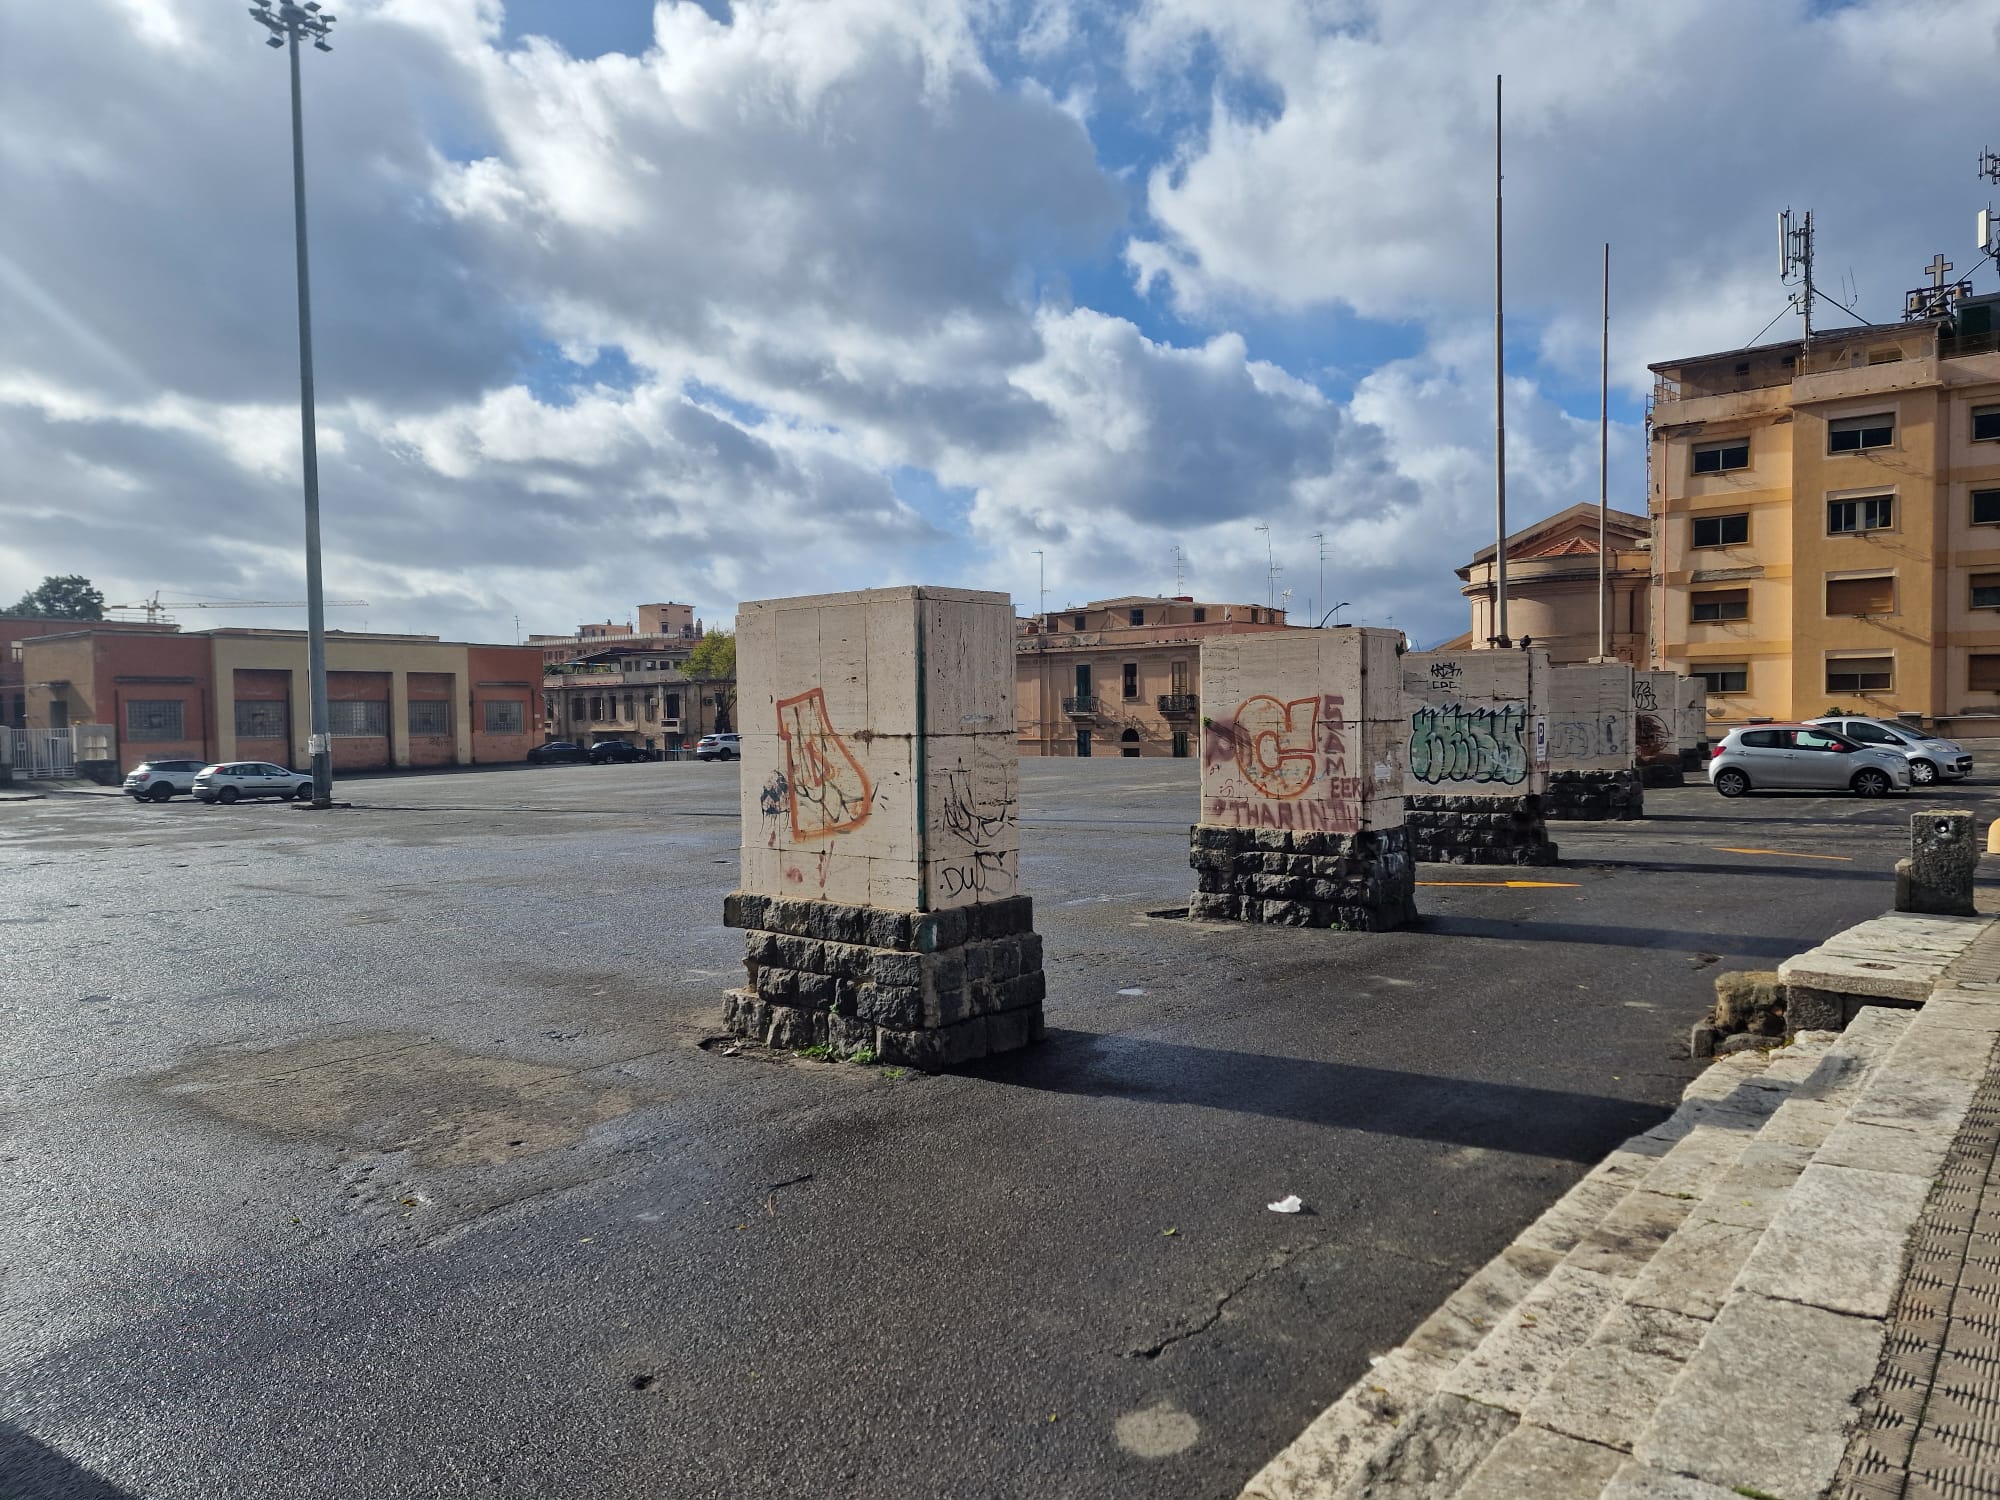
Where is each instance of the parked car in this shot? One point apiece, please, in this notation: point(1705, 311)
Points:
point(557, 751)
point(610, 752)
point(1800, 758)
point(157, 780)
point(234, 781)
point(1929, 756)
point(719, 747)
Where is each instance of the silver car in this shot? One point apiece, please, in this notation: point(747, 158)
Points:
point(1803, 758)
point(1929, 756)
point(232, 781)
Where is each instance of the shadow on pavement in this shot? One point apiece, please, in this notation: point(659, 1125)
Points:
point(1346, 1096)
point(1531, 930)
point(1815, 871)
point(31, 1470)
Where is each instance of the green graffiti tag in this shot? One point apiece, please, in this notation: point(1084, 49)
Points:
point(1453, 743)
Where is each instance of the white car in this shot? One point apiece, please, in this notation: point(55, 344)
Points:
point(719, 747)
point(237, 779)
point(1929, 756)
point(157, 780)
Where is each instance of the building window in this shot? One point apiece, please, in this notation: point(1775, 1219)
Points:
point(1986, 424)
point(1720, 458)
point(1722, 531)
point(1077, 622)
point(153, 720)
point(673, 705)
point(1986, 507)
point(1873, 595)
point(1719, 604)
point(1731, 679)
point(1137, 616)
point(430, 717)
point(1131, 680)
point(1986, 590)
point(503, 715)
point(1853, 434)
point(1885, 356)
point(260, 721)
point(1200, 615)
point(1984, 673)
point(1872, 513)
point(1860, 674)
point(1181, 742)
point(348, 720)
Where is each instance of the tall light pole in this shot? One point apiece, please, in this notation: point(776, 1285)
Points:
point(1270, 570)
point(288, 25)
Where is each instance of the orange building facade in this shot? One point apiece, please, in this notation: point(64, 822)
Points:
point(394, 700)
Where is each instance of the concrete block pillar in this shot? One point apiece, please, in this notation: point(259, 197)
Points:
point(1302, 782)
point(1478, 756)
point(881, 847)
point(1590, 745)
point(1937, 877)
point(1656, 752)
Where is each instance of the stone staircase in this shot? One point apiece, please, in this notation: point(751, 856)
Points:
point(1696, 1318)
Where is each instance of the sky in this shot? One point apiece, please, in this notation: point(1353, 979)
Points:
point(616, 303)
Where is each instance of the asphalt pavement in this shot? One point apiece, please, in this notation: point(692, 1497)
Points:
point(391, 1151)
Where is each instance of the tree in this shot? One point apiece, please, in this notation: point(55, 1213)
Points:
point(714, 656)
point(69, 597)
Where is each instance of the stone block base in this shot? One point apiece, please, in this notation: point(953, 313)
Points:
point(1478, 831)
point(1363, 882)
point(917, 989)
point(1594, 797)
point(1663, 773)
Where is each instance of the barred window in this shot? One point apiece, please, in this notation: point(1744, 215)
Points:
point(430, 717)
point(348, 720)
point(151, 720)
point(503, 715)
point(260, 721)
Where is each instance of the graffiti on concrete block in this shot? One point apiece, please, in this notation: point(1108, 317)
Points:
point(1291, 758)
point(1454, 743)
point(1587, 739)
point(825, 789)
point(1656, 735)
point(1643, 697)
point(1446, 676)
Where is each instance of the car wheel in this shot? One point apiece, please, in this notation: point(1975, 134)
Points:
point(1922, 772)
point(160, 793)
point(729, 755)
point(1731, 783)
point(303, 792)
point(227, 795)
point(1870, 782)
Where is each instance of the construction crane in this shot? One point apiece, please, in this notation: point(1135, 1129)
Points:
point(155, 609)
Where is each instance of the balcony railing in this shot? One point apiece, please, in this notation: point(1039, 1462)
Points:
point(1081, 706)
point(1178, 705)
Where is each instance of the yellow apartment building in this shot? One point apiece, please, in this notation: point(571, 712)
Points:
point(1827, 523)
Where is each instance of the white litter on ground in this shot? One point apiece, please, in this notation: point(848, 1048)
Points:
point(1291, 1203)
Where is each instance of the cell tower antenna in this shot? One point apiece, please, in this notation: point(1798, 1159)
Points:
point(1989, 221)
point(1320, 538)
point(1795, 263)
point(1989, 166)
point(1180, 569)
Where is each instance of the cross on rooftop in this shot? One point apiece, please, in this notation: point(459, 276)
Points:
point(1938, 268)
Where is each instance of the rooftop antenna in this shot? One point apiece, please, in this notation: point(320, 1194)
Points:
point(1989, 222)
point(1270, 567)
point(1180, 569)
point(1319, 537)
point(1795, 263)
point(1042, 580)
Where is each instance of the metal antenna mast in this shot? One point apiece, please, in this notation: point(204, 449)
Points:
point(1795, 259)
point(1320, 538)
point(1042, 581)
point(1499, 636)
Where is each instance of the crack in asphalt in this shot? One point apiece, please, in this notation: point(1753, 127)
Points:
point(1276, 1261)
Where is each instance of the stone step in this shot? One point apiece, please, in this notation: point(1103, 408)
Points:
point(1573, 1290)
point(1766, 1399)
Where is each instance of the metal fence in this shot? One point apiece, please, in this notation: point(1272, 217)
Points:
point(53, 754)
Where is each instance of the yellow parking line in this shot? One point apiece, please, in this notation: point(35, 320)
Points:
point(1508, 885)
point(1846, 859)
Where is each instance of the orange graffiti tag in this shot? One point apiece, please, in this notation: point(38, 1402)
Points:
point(826, 788)
point(1276, 745)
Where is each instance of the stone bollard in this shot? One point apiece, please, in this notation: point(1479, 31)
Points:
point(1477, 755)
point(1590, 745)
point(1937, 877)
point(1656, 701)
point(1302, 782)
point(881, 845)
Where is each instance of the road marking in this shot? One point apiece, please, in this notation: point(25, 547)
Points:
point(1507, 885)
point(1846, 859)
